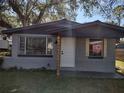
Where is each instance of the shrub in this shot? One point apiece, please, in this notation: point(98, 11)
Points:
point(5, 53)
point(13, 68)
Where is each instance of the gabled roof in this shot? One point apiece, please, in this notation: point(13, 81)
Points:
point(98, 29)
point(44, 27)
point(97, 22)
point(94, 29)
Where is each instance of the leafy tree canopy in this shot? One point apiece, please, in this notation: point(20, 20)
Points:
point(18, 13)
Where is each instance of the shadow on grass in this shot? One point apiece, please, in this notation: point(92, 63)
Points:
point(46, 82)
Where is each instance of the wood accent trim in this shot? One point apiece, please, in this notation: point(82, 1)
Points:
point(105, 47)
point(87, 46)
point(58, 55)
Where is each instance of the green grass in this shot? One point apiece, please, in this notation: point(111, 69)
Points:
point(120, 65)
point(45, 82)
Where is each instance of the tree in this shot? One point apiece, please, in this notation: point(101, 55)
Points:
point(118, 13)
point(28, 12)
point(18, 13)
point(3, 21)
point(111, 10)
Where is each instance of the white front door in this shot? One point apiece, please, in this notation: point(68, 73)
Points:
point(68, 52)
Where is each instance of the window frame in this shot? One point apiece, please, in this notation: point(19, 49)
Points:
point(103, 49)
point(33, 55)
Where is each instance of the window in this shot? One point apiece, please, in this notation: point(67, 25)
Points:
point(30, 45)
point(96, 47)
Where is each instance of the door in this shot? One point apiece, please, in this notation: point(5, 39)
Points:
point(68, 52)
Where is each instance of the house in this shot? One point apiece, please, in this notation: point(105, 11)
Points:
point(120, 51)
point(5, 44)
point(65, 45)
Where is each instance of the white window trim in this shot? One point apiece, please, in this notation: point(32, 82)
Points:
point(87, 46)
point(46, 44)
point(29, 35)
point(104, 47)
point(25, 45)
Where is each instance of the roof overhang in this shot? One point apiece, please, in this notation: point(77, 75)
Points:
point(67, 28)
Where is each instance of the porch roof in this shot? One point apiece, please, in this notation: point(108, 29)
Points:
point(67, 28)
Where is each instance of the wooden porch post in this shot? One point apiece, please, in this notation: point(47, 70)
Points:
point(58, 55)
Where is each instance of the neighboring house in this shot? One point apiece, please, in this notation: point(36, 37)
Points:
point(120, 51)
point(5, 42)
point(84, 47)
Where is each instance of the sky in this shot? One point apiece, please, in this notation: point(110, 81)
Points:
point(84, 19)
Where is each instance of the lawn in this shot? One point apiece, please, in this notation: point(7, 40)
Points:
point(45, 82)
point(120, 64)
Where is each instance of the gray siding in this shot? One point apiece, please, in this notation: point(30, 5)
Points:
point(29, 62)
point(83, 63)
point(26, 62)
point(15, 45)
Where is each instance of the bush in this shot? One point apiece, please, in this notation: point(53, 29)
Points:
point(13, 68)
point(1, 61)
point(5, 53)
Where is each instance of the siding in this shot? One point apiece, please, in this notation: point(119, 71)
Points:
point(83, 63)
point(26, 62)
point(29, 62)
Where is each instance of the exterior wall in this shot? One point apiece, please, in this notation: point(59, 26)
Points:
point(29, 62)
point(4, 44)
point(26, 62)
point(15, 45)
point(83, 63)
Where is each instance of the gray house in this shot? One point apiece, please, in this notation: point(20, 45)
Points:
point(65, 45)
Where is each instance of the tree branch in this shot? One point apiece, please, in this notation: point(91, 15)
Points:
point(16, 8)
point(42, 11)
point(5, 24)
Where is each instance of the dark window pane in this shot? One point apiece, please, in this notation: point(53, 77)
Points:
point(96, 47)
point(36, 46)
